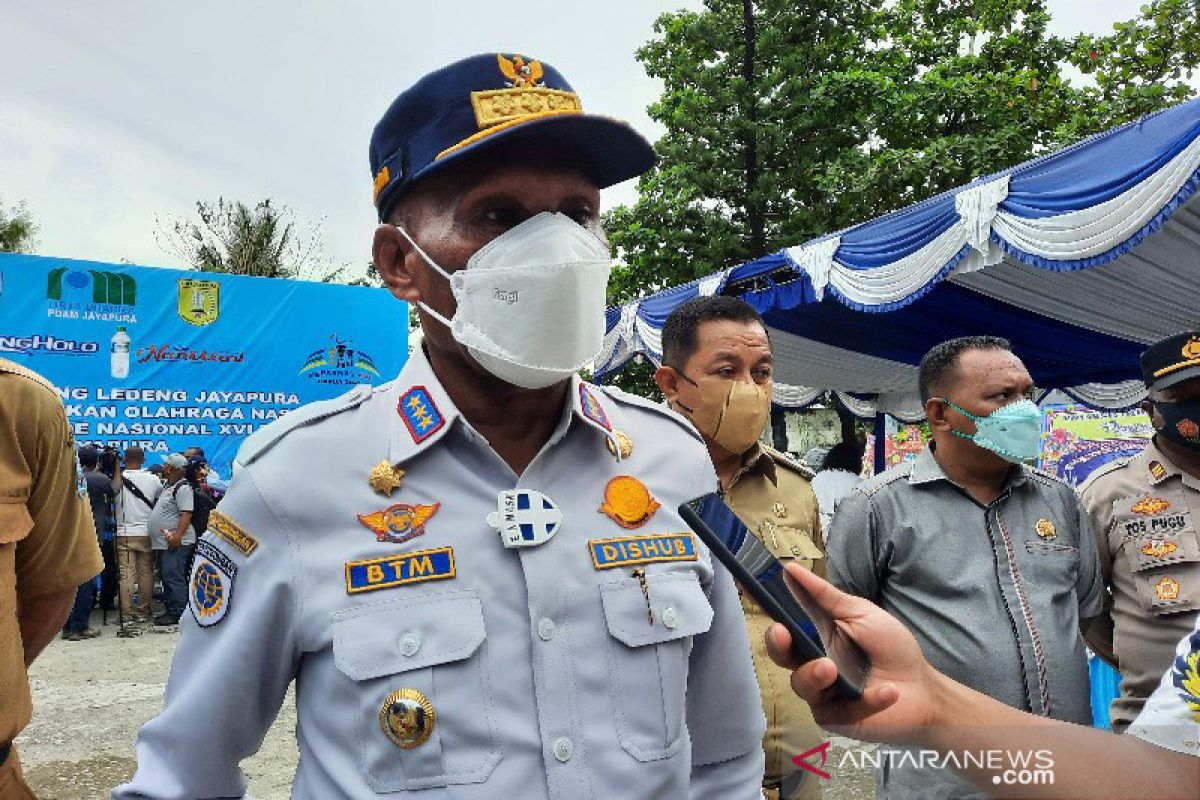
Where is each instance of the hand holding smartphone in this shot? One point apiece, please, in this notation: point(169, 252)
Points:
point(814, 633)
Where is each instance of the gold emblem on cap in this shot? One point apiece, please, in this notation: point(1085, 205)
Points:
point(381, 181)
point(628, 502)
point(407, 718)
point(780, 510)
point(1191, 350)
point(385, 478)
point(620, 443)
point(1158, 548)
point(1150, 505)
point(1167, 589)
point(1045, 529)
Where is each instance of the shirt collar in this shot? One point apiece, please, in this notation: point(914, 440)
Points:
point(926, 469)
point(1158, 468)
point(422, 412)
point(757, 459)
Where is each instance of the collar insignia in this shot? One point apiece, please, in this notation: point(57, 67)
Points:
point(420, 414)
point(592, 409)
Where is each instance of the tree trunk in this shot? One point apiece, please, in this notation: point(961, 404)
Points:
point(755, 216)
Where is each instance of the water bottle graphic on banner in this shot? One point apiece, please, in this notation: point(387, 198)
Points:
point(119, 358)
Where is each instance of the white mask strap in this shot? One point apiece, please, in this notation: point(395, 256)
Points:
point(434, 265)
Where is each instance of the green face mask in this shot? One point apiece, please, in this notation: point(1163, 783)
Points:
point(1013, 432)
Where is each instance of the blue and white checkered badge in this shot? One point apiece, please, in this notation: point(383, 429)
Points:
point(525, 518)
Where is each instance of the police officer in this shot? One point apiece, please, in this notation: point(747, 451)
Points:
point(1143, 512)
point(47, 544)
point(490, 594)
point(717, 372)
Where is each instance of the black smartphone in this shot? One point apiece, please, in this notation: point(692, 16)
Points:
point(814, 634)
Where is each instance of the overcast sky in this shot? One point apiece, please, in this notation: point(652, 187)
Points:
point(119, 112)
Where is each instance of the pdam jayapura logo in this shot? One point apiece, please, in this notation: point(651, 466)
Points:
point(339, 363)
point(90, 294)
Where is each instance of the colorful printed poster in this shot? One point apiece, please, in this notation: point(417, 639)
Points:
point(1078, 439)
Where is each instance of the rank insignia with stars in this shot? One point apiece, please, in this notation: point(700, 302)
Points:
point(420, 413)
point(1045, 529)
point(385, 478)
point(628, 502)
point(400, 522)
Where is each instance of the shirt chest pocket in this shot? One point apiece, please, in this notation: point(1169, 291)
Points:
point(1163, 553)
point(425, 711)
point(648, 660)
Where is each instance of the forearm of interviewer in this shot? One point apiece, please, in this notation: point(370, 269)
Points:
point(40, 619)
point(1074, 761)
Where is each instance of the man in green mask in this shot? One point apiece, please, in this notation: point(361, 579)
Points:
point(717, 372)
point(1141, 512)
point(989, 562)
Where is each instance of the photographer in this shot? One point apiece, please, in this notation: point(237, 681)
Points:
point(137, 490)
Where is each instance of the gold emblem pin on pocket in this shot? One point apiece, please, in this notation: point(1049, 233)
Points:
point(407, 718)
point(1045, 529)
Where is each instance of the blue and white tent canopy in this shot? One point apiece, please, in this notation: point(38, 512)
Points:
point(1080, 257)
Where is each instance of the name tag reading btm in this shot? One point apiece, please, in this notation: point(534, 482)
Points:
point(398, 570)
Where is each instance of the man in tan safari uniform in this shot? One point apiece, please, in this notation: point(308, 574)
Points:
point(47, 544)
point(717, 372)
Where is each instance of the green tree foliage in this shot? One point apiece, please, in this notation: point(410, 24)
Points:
point(785, 121)
point(17, 229)
point(260, 240)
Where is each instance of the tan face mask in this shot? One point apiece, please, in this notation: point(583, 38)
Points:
point(731, 413)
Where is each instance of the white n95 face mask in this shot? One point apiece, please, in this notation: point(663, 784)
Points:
point(530, 303)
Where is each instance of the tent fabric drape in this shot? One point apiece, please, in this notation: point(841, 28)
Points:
point(1080, 258)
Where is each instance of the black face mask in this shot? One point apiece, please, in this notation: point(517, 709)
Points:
point(1181, 423)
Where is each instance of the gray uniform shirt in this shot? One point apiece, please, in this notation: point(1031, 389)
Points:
point(171, 503)
point(993, 594)
point(543, 675)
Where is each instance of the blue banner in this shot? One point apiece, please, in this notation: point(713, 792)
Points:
point(166, 359)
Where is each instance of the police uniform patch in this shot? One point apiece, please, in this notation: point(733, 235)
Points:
point(1150, 505)
point(524, 518)
point(385, 478)
point(629, 550)
point(400, 522)
point(1157, 471)
point(211, 586)
point(399, 570)
point(1045, 529)
point(407, 718)
point(592, 408)
point(420, 413)
point(628, 502)
point(1167, 589)
point(233, 533)
point(1158, 548)
point(1185, 675)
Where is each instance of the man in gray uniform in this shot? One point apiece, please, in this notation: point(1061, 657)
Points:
point(989, 563)
point(490, 594)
